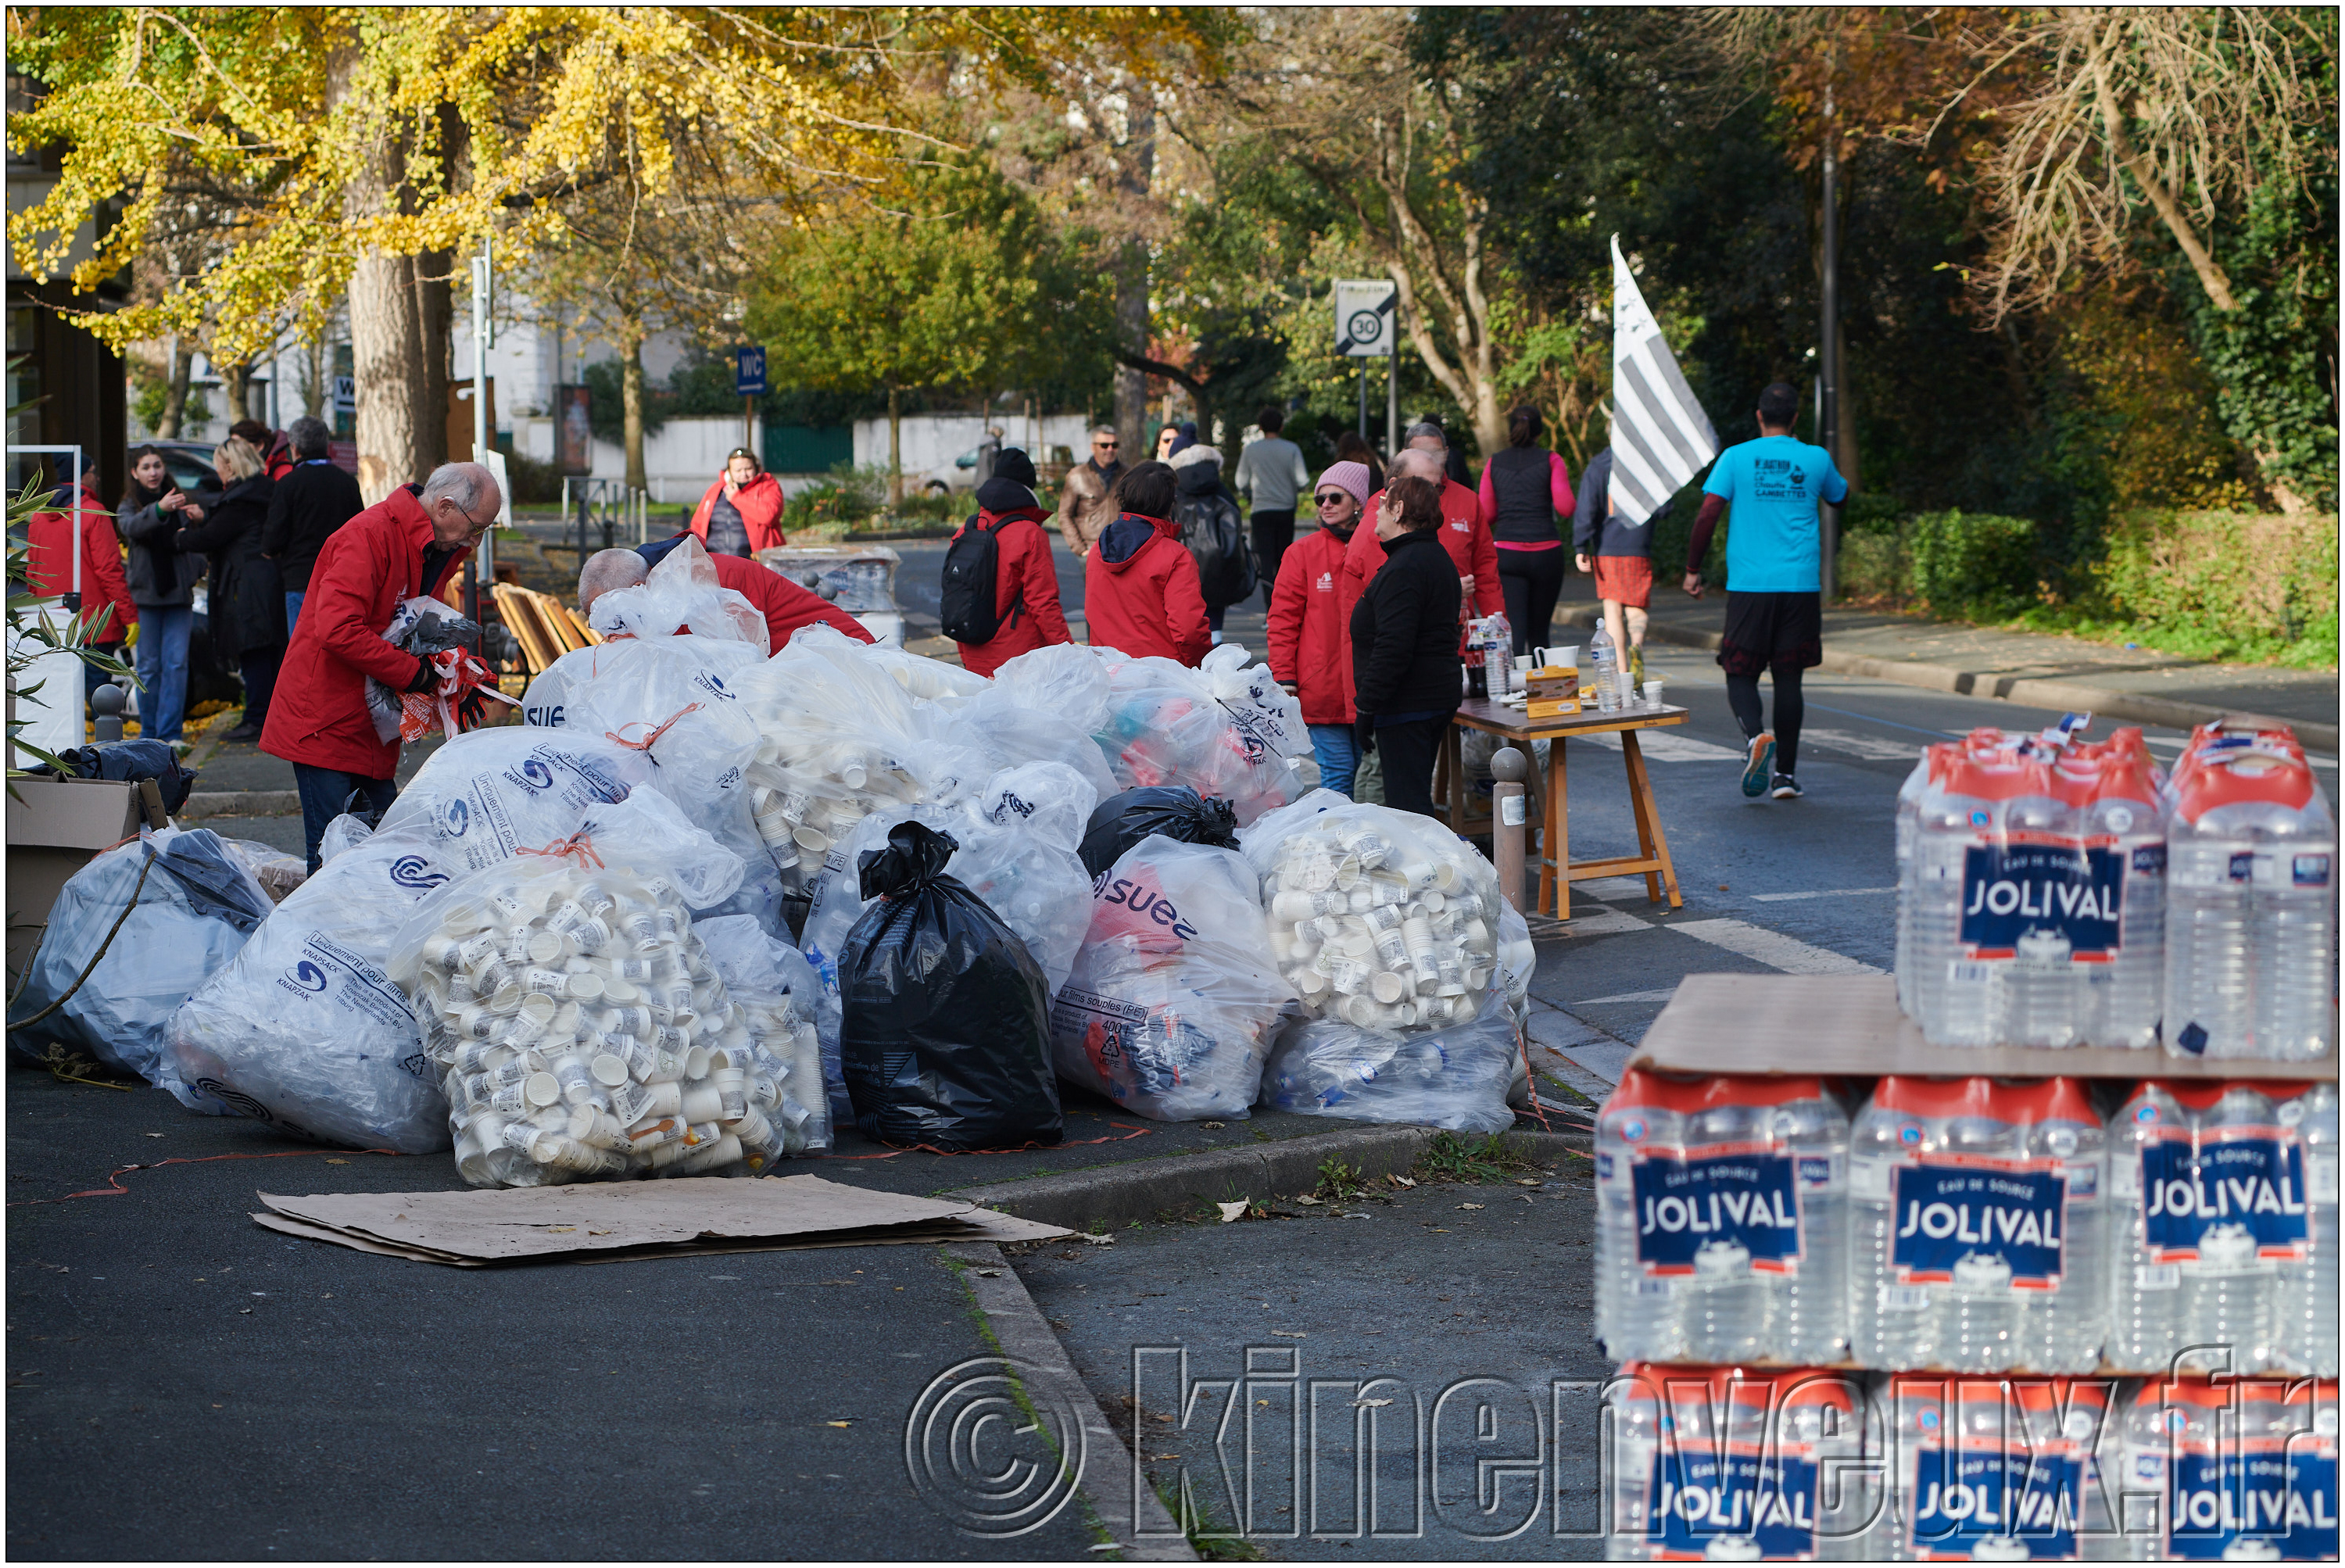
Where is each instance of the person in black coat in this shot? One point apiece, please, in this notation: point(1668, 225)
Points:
point(247, 602)
point(311, 501)
point(1405, 643)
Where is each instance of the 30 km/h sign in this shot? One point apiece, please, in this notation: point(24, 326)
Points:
point(1364, 316)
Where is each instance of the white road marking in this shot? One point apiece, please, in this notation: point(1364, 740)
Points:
point(1773, 948)
point(1661, 995)
point(1667, 745)
point(1871, 747)
point(1829, 893)
point(1601, 921)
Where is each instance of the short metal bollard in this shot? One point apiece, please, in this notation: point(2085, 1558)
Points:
point(1510, 814)
point(106, 705)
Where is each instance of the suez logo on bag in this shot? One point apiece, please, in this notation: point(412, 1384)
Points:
point(1738, 1201)
point(2239, 1185)
point(1146, 905)
point(1980, 1222)
point(2040, 884)
point(2260, 1498)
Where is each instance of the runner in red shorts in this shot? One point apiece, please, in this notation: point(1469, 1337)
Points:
point(1623, 561)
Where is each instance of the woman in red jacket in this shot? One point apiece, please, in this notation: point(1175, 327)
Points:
point(1310, 644)
point(108, 610)
point(742, 513)
point(1140, 583)
point(1025, 579)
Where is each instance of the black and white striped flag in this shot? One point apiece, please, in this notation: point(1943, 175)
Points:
point(1660, 437)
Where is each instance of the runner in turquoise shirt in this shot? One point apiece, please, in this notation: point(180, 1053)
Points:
point(1774, 605)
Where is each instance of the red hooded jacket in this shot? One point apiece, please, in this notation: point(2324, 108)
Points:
point(48, 567)
point(785, 604)
point(759, 501)
point(1025, 589)
point(1140, 593)
point(1464, 535)
point(1310, 637)
point(366, 568)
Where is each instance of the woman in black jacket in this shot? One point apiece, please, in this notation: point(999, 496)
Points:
point(1405, 643)
point(247, 603)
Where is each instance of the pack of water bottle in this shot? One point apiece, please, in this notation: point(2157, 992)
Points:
point(1977, 1237)
point(1730, 1463)
point(2031, 890)
point(2251, 943)
point(2223, 1223)
point(1994, 1470)
point(2239, 1471)
point(1721, 1220)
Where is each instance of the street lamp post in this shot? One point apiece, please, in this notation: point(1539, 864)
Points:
point(1828, 371)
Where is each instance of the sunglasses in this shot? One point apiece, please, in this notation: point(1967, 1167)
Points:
point(1332, 498)
point(1104, 445)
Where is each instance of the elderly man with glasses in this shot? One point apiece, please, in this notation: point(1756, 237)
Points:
point(1084, 509)
point(410, 542)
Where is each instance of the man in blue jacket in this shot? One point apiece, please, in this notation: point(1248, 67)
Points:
point(1774, 597)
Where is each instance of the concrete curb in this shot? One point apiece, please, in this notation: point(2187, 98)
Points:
point(2065, 695)
point(1144, 1531)
point(241, 803)
point(1114, 1196)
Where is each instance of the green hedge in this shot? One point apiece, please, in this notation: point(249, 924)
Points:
point(1975, 565)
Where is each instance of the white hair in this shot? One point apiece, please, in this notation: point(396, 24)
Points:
point(1414, 464)
point(605, 570)
point(469, 484)
point(1424, 430)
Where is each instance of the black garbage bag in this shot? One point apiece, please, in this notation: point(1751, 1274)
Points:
point(1174, 811)
point(945, 1027)
point(130, 760)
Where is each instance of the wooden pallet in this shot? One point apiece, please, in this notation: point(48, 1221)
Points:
point(546, 627)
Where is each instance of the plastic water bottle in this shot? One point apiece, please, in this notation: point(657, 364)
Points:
point(1722, 1221)
point(1605, 659)
point(1689, 1481)
point(2242, 1472)
point(2125, 996)
point(2251, 930)
point(1998, 1470)
point(2319, 1131)
point(1975, 1225)
point(1909, 817)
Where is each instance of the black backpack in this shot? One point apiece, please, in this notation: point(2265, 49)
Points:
point(1214, 534)
point(972, 570)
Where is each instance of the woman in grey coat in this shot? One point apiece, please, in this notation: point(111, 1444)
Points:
point(162, 582)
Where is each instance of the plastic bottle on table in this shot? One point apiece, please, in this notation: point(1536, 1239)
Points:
point(1605, 660)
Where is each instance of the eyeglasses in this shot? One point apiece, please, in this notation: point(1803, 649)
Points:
point(473, 528)
point(1332, 498)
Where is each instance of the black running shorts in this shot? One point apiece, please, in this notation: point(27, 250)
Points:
point(1771, 631)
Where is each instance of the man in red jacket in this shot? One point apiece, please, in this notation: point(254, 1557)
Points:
point(410, 542)
point(1310, 642)
point(1025, 579)
point(1464, 531)
point(107, 606)
point(786, 605)
point(1139, 583)
point(742, 513)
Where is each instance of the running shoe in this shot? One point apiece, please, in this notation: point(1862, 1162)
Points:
point(1785, 788)
point(1761, 763)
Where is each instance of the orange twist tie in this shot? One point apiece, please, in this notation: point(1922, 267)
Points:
point(577, 847)
point(648, 741)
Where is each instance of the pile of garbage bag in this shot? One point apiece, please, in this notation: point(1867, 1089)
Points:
point(1174, 811)
point(1173, 999)
point(131, 934)
point(1388, 926)
point(1225, 728)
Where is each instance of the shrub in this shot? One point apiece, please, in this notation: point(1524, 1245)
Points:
point(1973, 564)
point(534, 484)
point(2222, 585)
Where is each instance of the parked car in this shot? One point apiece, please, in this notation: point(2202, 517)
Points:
point(961, 473)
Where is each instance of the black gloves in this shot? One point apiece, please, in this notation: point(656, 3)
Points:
point(1363, 734)
point(427, 676)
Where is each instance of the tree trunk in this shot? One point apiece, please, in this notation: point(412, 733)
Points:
point(174, 402)
point(630, 399)
point(895, 446)
point(435, 322)
point(236, 388)
point(386, 373)
point(1135, 173)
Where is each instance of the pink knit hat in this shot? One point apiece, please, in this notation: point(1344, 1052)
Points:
point(1349, 477)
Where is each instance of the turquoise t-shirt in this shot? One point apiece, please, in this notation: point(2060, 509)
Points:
point(1772, 539)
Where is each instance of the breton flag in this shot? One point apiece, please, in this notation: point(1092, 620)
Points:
point(1660, 437)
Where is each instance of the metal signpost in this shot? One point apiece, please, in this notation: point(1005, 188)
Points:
point(1364, 330)
point(482, 567)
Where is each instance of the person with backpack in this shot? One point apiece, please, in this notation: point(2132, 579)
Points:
point(1000, 584)
point(1214, 530)
point(1140, 586)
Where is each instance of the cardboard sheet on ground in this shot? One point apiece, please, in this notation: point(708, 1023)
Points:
point(604, 1222)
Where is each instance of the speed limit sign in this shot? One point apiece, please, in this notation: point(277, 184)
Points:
point(1364, 316)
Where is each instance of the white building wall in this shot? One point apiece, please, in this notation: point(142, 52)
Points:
point(679, 463)
point(932, 440)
